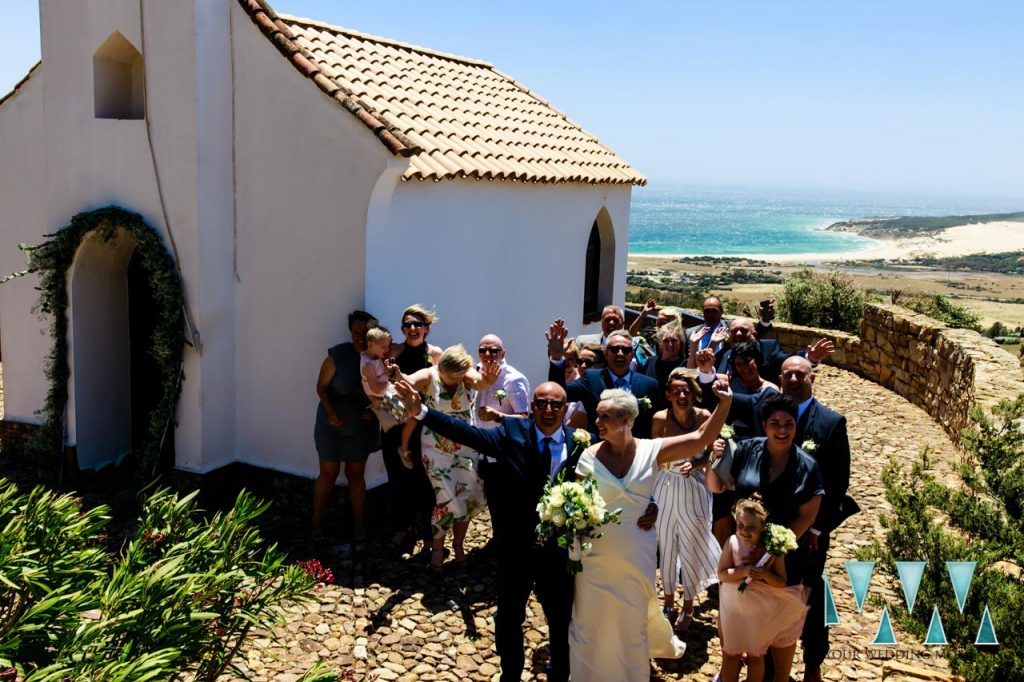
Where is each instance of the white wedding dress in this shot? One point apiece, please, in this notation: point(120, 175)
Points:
point(617, 624)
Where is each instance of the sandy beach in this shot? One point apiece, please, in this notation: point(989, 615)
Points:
point(996, 296)
point(954, 241)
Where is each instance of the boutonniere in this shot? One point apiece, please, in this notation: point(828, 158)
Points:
point(581, 437)
point(645, 403)
point(809, 445)
point(500, 395)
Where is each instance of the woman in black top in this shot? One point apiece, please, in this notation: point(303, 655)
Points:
point(410, 493)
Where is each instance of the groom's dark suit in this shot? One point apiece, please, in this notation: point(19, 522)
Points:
point(587, 389)
point(515, 487)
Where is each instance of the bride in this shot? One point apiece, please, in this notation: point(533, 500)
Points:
point(617, 625)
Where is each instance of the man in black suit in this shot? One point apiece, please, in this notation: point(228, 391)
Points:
point(587, 389)
point(528, 454)
point(821, 432)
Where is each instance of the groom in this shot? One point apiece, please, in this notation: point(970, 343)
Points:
point(529, 453)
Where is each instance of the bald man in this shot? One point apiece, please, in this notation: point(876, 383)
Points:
point(528, 454)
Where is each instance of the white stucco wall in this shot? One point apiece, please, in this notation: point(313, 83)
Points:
point(504, 258)
point(306, 170)
point(22, 220)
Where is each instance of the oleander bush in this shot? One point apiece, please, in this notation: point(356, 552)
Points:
point(180, 598)
point(828, 300)
point(980, 520)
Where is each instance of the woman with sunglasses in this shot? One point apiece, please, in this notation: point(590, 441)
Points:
point(578, 359)
point(411, 495)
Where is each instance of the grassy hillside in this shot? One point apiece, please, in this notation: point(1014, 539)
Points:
point(912, 226)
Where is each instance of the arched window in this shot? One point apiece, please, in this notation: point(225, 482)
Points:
point(118, 73)
point(592, 278)
point(599, 270)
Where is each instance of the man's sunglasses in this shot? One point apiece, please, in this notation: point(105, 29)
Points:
point(543, 404)
point(410, 324)
point(489, 351)
point(619, 350)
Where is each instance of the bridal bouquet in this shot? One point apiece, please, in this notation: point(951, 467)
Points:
point(571, 512)
point(777, 540)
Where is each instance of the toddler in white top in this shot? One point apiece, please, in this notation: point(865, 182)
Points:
point(377, 370)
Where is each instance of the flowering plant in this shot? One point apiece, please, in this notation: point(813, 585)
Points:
point(809, 446)
point(500, 395)
point(777, 540)
point(570, 513)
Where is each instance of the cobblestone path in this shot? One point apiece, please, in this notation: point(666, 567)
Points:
point(392, 619)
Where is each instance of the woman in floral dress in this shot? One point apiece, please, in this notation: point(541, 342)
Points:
point(451, 467)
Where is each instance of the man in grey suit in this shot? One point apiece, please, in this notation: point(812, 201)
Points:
point(612, 318)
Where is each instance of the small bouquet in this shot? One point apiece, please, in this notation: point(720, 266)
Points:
point(571, 512)
point(723, 465)
point(777, 540)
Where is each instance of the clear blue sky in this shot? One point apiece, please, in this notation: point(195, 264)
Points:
point(922, 96)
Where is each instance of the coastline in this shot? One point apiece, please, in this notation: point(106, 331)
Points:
point(961, 240)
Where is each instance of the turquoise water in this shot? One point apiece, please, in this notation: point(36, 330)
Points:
point(706, 222)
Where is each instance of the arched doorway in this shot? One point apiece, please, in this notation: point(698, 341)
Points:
point(115, 295)
point(114, 379)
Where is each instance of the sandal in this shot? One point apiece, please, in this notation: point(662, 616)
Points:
point(684, 620)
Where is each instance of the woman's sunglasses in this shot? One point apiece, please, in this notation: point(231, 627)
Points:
point(410, 324)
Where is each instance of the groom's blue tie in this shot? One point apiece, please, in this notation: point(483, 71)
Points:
point(545, 453)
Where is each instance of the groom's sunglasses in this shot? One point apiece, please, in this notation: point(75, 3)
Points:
point(543, 404)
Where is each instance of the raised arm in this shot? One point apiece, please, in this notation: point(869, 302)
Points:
point(688, 444)
point(638, 323)
point(487, 441)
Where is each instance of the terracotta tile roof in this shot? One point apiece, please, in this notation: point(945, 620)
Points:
point(17, 86)
point(452, 116)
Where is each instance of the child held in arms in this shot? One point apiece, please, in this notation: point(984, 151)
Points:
point(378, 373)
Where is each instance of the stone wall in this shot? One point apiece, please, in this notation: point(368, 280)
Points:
point(945, 371)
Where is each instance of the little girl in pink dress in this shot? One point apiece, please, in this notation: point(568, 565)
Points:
point(765, 613)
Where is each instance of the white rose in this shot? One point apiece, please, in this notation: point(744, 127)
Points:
point(558, 516)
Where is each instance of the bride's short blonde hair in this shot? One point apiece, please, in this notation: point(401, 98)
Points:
point(623, 403)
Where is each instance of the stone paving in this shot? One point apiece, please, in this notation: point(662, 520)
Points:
point(391, 619)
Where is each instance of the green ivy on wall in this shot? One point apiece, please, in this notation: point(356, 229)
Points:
point(51, 261)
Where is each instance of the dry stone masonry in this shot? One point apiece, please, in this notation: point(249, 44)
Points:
point(942, 370)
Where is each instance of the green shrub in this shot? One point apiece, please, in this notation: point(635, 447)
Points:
point(182, 597)
point(940, 308)
point(980, 521)
point(828, 300)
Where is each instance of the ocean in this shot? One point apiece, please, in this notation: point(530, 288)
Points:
point(708, 222)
